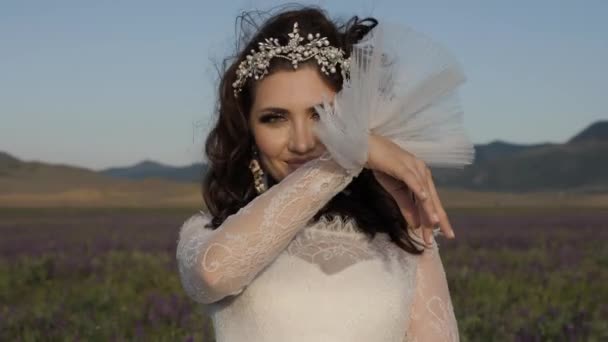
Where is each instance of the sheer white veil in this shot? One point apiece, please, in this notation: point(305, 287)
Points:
point(403, 86)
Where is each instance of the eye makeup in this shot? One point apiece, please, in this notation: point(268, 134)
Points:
point(270, 118)
point(274, 115)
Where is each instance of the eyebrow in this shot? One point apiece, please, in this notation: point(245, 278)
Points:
point(283, 110)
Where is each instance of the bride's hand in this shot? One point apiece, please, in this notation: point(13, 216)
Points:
point(410, 182)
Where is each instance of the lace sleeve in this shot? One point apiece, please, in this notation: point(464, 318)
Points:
point(432, 315)
point(216, 263)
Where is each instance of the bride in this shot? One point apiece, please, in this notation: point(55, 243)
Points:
point(321, 209)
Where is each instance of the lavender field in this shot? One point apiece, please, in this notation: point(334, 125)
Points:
point(99, 275)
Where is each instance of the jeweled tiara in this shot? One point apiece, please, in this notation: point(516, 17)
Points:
point(256, 64)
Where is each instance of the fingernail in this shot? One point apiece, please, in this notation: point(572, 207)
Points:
point(452, 235)
point(435, 218)
point(423, 194)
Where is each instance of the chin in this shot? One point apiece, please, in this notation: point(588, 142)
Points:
point(278, 172)
point(289, 168)
point(286, 172)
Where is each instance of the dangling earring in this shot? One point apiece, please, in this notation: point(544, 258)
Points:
point(258, 173)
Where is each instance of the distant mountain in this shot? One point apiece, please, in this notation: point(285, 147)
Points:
point(33, 183)
point(6, 160)
point(597, 132)
point(18, 176)
point(500, 149)
point(151, 169)
point(578, 165)
point(581, 164)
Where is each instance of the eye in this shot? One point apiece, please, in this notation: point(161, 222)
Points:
point(270, 118)
point(316, 115)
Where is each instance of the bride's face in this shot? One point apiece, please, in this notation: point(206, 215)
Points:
point(282, 119)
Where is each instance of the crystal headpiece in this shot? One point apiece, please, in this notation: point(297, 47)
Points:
point(256, 64)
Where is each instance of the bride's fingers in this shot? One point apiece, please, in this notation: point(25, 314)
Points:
point(407, 207)
point(402, 195)
point(414, 182)
point(427, 233)
point(430, 213)
point(426, 227)
point(444, 222)
point(422, 196)
point(430, 216)
point(415, 220)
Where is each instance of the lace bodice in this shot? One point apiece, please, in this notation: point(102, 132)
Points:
point(268, 274)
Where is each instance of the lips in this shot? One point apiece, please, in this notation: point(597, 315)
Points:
point(294, 166)
point(296, 163)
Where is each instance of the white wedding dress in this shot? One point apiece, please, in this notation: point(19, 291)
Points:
point(268, 274)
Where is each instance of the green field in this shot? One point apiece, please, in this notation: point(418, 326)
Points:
point(110, 274)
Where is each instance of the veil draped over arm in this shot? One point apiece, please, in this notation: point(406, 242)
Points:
point(402, 86)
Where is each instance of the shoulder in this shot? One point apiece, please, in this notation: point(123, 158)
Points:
point(195, 223)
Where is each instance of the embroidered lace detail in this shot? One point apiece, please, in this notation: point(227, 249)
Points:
point(362, 280)
point(432, 316)
point(216, 263)
point(333, 244)
point(337, 223)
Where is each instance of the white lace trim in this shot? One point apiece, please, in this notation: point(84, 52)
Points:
point(347, 227)
point(336, 224)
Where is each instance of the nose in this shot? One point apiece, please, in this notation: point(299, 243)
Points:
point(302, 138)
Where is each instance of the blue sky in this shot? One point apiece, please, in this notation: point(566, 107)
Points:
point(107, 83)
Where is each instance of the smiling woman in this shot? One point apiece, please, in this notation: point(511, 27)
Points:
point(311, 231)
point(282, 118)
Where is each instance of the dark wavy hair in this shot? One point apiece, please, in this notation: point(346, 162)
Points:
point(226, 187)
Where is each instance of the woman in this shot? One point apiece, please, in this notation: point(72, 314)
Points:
point(330, 236)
